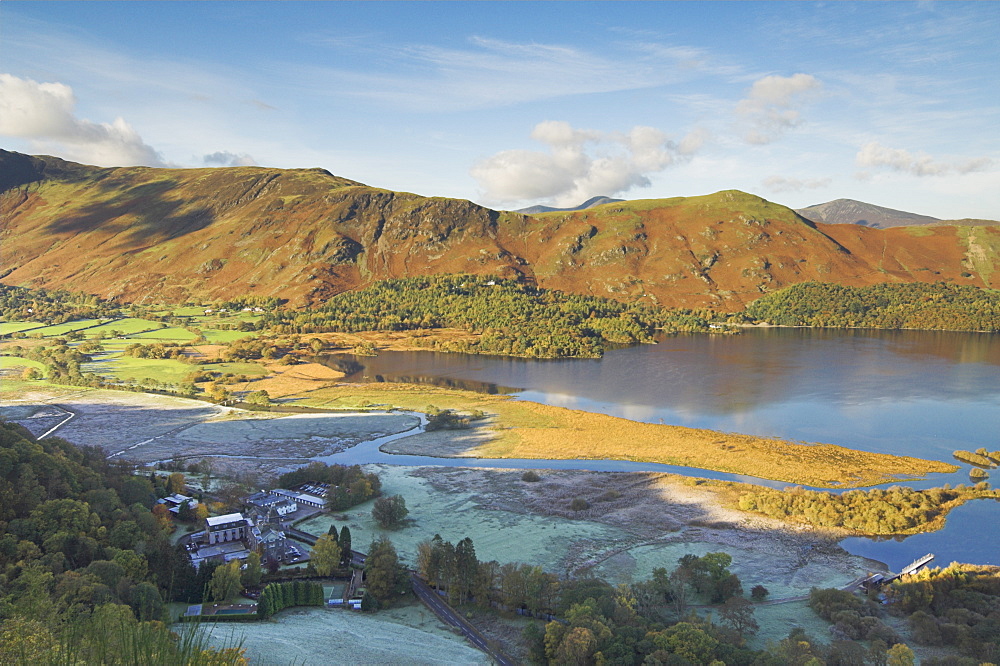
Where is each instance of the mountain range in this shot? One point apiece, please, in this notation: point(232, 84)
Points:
point(171, 235)
point(849, 211)
point(589, 203)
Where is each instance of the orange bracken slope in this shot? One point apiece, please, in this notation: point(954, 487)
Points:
point(170, 235)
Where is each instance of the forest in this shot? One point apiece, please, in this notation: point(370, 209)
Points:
point(918, 305)
point(894, 510)
point(957, 606)
point(86, 565)
point(512, 318)
point(589, 621)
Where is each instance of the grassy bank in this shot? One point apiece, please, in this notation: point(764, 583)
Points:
point(530, 430)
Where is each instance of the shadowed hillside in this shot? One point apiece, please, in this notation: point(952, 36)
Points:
point(144, 234)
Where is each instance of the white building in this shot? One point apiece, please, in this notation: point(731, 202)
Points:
point(300, 498)
point(264, 501)
point(230, 527)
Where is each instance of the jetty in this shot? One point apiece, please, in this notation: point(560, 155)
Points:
point(878, 580)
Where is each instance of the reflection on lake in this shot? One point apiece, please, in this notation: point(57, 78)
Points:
point(920, 393)
point(905, 392)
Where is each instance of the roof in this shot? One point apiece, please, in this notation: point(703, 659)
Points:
point(300, 497)
point(222, 520)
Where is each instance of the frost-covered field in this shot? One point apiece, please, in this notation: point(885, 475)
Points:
point(319, 637)
point(500, 535)
point(146, 428)
point(652, 524)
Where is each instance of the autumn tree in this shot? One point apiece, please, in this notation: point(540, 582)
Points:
point(325, 556)
point(252, 574)
point(225, 581)
point(381, 569)
point(162, 515)
point(900, 654)
point(175, 483)
point(738, 613)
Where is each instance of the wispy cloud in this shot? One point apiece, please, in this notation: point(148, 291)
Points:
point(780, 184)
point(769, 107)
point(491, 73)
point(581, 163)
point(874, 155)
point(45, 114)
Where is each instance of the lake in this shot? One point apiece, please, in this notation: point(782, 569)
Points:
point(919, 393)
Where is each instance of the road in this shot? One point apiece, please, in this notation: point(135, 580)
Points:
point(448, 615)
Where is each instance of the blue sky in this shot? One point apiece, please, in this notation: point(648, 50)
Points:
point(510, 104)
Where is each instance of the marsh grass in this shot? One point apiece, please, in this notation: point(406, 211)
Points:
point(532, 430)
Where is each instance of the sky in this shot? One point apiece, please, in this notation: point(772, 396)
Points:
point(512, 104)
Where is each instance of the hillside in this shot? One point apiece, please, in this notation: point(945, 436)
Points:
point(849, 211)
point(144, 234)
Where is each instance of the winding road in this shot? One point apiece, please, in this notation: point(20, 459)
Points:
point(450, 616)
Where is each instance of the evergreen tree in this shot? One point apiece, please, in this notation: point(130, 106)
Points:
point(346, 555)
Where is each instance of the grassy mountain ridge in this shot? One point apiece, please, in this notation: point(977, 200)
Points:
point(145, 234)
point(849, 211)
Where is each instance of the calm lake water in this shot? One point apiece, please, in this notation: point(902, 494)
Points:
point(920, 393)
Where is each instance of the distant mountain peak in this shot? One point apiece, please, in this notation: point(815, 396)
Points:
point(589, 203)
point(850, 211)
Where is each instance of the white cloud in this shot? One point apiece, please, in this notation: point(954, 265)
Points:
point(44, 114)
point(875, 155)
point(226, 158)
point(580, 163)
point(769, 106)
point(782, 184)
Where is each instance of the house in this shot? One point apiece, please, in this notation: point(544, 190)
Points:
point(174, 502)
point(223, 552)
point(273, 544)
point(230, 527)
point(266, 501)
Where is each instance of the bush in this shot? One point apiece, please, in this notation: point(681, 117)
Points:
point(531, 476)
point(579, 504)
point(759, 593)
point(973, 458)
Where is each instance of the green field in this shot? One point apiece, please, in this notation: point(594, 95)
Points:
point(166, 370)
point(127, 326)
point(8, 327)
point(172, 334)
point(62, 329)
point(20, 362)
